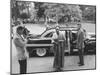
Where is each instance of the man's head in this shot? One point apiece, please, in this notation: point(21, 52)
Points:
point(79, 26)
point(57, 30)
point(20, 30)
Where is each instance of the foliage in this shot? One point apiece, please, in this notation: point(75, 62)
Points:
point(58, 12)
point(88, 12)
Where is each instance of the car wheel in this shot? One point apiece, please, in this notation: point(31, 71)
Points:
point(41, 52)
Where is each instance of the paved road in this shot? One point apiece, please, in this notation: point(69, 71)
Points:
point(45, 64)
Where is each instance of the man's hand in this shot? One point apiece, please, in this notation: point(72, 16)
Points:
point(55, 43)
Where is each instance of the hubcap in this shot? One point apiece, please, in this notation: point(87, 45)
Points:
point(41, 51)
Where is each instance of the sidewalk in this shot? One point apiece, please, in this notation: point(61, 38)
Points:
point(45, 64)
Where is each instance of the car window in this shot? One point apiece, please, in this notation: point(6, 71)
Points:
point(93, 36)
point(49, 34)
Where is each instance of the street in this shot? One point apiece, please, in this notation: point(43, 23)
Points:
point(45, 64)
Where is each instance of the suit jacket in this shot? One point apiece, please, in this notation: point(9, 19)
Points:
point(20, 47)
point(61, 36)
point(80, 39)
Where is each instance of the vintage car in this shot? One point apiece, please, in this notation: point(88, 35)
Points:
point(89, 42)
point(41, 45)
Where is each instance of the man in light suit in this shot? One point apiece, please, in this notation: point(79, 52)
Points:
point(20, 47)
point(59, 40)
point(80, 44)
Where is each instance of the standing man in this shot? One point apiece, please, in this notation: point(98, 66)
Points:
point(20, 47)
point(59, 42)
point(80, 44)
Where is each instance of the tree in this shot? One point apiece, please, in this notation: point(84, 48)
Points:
point(14, 10)
point(20, 9)
point(32, 11)
point(62, 10)
point(39, 10)
point(88, 12)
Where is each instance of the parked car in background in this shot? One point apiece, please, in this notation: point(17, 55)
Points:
point(90, 43)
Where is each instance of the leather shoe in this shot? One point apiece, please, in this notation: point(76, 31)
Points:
point(81, 64)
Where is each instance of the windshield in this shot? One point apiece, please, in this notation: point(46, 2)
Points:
point(48, 33)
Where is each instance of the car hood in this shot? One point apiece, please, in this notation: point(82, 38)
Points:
point(33, 36)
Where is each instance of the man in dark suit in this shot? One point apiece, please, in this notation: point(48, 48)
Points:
point(80, 44)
